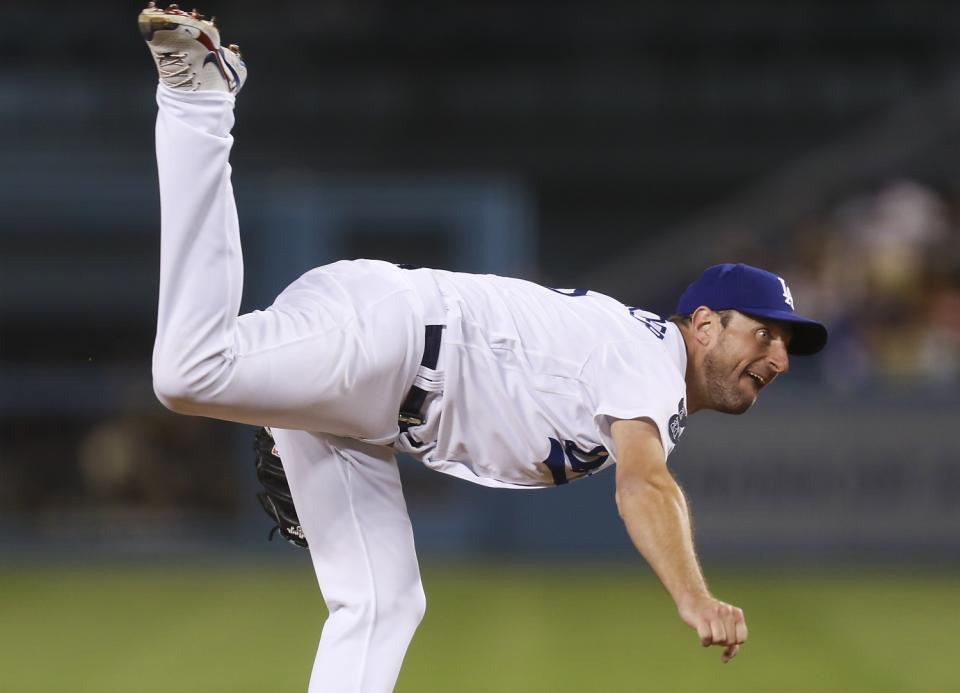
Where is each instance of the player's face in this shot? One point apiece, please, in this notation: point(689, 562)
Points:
point(748, 354)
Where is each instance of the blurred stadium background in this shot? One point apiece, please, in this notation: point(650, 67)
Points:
point(620, 146)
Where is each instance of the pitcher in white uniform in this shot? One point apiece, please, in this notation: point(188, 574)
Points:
point(498, 381)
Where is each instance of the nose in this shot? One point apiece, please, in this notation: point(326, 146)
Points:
point(779, 360)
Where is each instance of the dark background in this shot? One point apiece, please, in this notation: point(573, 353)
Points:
point(621, 146)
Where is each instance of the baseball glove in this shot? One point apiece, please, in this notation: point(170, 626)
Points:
point(275, 498)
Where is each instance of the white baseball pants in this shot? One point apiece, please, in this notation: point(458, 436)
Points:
point(326, 366)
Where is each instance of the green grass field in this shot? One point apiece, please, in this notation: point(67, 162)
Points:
point(495, 628)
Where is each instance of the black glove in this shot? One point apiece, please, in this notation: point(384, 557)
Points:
point(275, 498)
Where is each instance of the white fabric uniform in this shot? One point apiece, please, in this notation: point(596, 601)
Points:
point(528, 370)
point(527, 383)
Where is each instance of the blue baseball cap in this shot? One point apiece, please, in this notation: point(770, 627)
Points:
point(755, 292)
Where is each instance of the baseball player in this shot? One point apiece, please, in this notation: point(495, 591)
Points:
point(494, 380)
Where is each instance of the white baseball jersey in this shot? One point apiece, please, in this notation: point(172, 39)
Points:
point(527, 382)
point(532, 378)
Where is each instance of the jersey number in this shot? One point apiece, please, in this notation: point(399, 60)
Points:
point(581, 461)
point(653, 322)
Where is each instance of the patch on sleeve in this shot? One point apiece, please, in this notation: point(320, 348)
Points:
point(678, 422)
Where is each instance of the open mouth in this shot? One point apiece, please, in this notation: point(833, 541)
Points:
point(757, 378)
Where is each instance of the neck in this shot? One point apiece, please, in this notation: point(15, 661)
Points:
point(695, 399)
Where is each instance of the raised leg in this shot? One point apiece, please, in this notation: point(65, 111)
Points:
point(335, 353)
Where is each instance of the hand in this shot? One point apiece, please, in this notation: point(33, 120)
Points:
point(716, 622)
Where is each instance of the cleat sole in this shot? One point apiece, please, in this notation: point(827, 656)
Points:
point(152, 20)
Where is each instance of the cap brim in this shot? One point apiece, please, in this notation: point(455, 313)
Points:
point(809, 336)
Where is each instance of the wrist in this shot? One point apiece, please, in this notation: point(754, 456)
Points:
point(690, 596)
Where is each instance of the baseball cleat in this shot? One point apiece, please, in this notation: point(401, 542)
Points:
point(186, 48)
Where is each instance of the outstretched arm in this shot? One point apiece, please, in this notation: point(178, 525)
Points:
point(658, 521)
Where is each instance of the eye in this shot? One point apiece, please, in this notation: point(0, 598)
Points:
point(764, 333)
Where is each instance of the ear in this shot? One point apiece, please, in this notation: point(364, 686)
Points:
point(705, 325)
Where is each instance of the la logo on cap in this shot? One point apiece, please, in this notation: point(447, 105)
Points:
point(787, 296)
point(756, 293)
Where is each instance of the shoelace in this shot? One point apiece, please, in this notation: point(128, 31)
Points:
point(171, 66)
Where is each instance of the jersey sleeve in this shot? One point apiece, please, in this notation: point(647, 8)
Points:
point(631, 380)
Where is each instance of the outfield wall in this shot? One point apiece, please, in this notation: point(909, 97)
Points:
point(805, 474)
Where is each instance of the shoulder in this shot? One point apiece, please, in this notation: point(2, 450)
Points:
point(647, 344)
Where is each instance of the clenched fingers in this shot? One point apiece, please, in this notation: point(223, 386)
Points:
point(716, 623)
point(727, 627)
point(718, 632)
point(737, 633)
point(741, 630)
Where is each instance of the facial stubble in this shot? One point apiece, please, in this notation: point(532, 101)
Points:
point(722, 380)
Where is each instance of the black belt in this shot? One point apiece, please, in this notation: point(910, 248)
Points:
point(411, 411)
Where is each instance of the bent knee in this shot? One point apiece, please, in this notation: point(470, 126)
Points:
point(172, 391)
point(405, 610)
point(417, 605)
point(179, 390)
